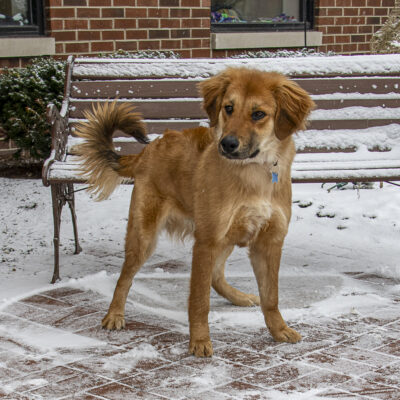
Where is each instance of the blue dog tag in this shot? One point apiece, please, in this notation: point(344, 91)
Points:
point(274, 177)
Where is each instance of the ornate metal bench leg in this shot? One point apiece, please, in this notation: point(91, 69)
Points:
point(56, 195)
point(62, 193)
point(71, 203)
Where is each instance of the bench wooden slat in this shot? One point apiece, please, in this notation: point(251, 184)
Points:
point(159, 89)
point(191, 107)
point(177, 114)
point(337, 66)
point(171, 88)
point(351, 124)
point(329, 171)
point(345, 165)
point(126, 148)
point(158, 109)
point(349, 175)
point(331, 104)
point(364, 85)
point(159, 126)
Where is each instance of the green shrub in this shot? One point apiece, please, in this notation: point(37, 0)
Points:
point(24, 95)
point(141, 54)
point(305, 52)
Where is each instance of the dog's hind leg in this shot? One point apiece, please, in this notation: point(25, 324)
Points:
point(145, 217)
point(222, 287)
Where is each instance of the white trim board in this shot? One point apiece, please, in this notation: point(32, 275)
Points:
point(27, 47)
point(259, 40)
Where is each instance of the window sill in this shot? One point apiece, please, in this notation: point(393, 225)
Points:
point(27, 47)
point(259, 40)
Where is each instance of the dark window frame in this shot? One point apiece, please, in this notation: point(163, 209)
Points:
point(272, 27)
point(36, 28)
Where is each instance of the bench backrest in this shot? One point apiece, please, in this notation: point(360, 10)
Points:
point(351, 93)
point(357, 97)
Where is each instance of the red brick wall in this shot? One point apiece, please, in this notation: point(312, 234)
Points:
point(84, 27)
point(348, 25)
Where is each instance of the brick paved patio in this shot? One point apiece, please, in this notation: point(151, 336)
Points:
point(351, 357)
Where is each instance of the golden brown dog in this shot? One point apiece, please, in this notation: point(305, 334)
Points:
point(227, 185)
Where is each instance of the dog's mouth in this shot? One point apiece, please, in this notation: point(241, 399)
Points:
point(238, 155)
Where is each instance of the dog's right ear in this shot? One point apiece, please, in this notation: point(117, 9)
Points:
point(212, 90)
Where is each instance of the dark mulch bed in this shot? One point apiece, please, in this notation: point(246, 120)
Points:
point(27, 171)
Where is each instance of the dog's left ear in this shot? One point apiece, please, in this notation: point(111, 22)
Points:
point(212, 90)
point(294, 106)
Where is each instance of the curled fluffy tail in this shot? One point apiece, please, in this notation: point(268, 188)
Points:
point(103, 168)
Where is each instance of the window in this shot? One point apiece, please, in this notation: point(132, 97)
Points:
point(21, 17)
point(261, 15)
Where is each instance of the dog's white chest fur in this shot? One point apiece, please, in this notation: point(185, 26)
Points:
point(248, 220)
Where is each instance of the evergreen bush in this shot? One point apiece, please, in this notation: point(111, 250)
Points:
point(142, 54)
point(24, 95)
point(305, 52)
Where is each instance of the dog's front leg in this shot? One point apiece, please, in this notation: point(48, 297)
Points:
point(204, 257)
point(265, 255)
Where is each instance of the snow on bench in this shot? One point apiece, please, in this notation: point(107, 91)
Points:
point(353, 135)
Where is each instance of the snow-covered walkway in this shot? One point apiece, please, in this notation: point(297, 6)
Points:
point(339, 287)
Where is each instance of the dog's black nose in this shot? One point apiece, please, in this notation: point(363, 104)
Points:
point(229, 144)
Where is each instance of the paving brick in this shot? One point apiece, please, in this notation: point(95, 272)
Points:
point(320, 379)
point(134, 332)
point(247, 358)
point(392, 348)
point(71, 385)
point(46, 303)
point(279, 374)
point(247, 362)
point(118, 391)
point(371, 390)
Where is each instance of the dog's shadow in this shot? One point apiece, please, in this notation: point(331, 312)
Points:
point(171, 293)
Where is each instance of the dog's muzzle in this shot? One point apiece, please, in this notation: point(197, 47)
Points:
point(229, 146)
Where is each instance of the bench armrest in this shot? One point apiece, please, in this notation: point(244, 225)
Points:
point(59, 126)
point(59, 139)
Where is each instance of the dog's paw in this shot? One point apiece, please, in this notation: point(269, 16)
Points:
point(246, 300)
point(201, 348)
point(113, 322)
point(286, 334)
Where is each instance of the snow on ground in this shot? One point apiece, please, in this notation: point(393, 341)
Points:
point(332, 236)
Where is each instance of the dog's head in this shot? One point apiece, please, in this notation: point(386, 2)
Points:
point(253, 111)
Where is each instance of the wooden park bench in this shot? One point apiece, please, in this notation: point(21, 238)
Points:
point(353, 135)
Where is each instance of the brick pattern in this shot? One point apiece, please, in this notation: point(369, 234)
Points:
point(348, 25)
point(352, 356)
point(90, 27)
point(15, 62)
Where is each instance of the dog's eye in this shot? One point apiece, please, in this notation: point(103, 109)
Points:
point(257, 115)
point(229, 110)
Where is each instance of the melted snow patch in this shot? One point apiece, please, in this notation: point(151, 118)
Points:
point(125, 362)
point(31, 383)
